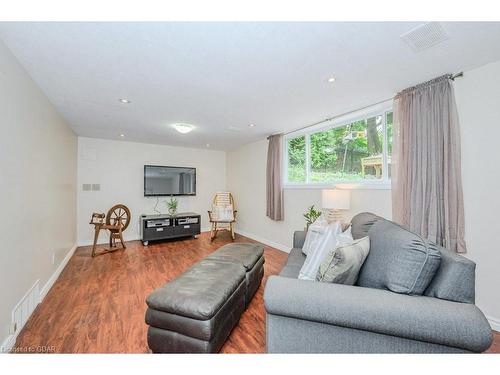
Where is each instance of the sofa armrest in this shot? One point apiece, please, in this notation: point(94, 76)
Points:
point(420, 318)
point(299, 237)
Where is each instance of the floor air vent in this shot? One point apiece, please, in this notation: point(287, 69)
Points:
point(425, 36)
point(25, 307)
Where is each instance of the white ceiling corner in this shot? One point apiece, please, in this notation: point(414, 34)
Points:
point(223, 76)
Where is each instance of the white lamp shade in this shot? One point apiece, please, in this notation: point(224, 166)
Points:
point(336, 199)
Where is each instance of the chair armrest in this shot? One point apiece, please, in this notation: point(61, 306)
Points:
point(299, 237)
point(419, 318)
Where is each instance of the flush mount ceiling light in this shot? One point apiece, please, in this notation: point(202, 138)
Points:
point(124, 101)
point(183, 128)
point(122, 135)
point(331, 79)
point(208, 144)
point(251, 125)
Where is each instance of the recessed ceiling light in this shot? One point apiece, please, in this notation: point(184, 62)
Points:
point(251, 125)
point(124, 101)
point(183, 128)
point(122, 135)
point(208, 144)
point(331, 79)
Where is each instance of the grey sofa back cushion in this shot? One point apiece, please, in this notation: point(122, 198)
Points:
point(455, 278)
point(362, 223)
point(399, 260)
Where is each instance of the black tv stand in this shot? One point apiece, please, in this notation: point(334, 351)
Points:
point(163, 227)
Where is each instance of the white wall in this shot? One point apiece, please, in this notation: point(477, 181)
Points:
point(246, 178)
point(37, 188)
point(118, 166)
point(478, 102)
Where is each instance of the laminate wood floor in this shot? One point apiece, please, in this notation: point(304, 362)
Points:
point(98, 304)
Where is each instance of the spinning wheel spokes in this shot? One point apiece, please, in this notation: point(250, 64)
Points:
point(118, 215)
point(117, 220)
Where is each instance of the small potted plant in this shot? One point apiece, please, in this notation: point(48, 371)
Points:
point(311, 215)
point(172, 206)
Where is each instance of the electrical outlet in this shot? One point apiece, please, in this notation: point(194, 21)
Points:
point(12, 328)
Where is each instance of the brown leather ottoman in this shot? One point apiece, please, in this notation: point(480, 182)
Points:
point(251, 257)
point(196, 312)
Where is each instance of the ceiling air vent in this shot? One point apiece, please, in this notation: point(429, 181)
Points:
point(425, 36)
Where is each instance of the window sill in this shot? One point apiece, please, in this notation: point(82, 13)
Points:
point(375, 185)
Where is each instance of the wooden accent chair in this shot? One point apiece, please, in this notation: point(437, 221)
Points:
point(116, 221)
point(223, 214)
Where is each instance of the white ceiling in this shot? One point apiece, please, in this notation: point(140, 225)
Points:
point(223, 76)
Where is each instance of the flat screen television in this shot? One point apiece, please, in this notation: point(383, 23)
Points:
point(164, 181)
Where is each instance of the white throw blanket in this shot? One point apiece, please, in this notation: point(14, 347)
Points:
point(317, 250)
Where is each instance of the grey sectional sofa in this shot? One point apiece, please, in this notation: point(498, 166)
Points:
point(370, 317)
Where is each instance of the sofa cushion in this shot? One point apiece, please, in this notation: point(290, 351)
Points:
point(361, 224)
point(291, 271)
point(399, 260)
point(454, 280)
point(296, 257)
point(299, 237)
point(293, 264)
point(342, 264)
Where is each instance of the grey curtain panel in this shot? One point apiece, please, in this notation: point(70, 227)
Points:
point(274, 183)
point(426, 169)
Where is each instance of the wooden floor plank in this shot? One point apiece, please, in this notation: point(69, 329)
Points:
point(97, 305)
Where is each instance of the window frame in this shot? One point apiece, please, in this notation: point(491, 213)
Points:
point(384, 183)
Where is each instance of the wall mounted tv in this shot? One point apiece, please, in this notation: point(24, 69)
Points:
point(165, 181)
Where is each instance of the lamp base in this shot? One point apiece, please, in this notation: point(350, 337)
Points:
point(333, 215)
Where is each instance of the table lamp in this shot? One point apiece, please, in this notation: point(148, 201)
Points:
point(334, 201)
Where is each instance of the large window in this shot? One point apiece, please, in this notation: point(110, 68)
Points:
point(355, 151)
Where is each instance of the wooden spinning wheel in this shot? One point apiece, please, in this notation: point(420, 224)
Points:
point(116, 221)
point(118, 215)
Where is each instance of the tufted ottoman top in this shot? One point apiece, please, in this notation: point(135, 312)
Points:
point(246, 254)
point(200, 291)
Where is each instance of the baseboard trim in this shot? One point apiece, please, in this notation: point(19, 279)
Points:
point(265, 241)
point(51, 281)
point(10, 341)
point(494, 323)
point(133, 238)
point(8, 344)
point(100, 243)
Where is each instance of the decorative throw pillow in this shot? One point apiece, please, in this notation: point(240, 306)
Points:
point(222, 213)
point(342, 264)
point(331, 239)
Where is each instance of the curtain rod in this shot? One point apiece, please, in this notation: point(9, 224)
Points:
point(452, 77)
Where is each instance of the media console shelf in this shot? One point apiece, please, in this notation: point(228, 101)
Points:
point(162, 227)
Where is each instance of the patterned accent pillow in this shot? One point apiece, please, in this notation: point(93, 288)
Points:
point(342, 264)
point(222, 213)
